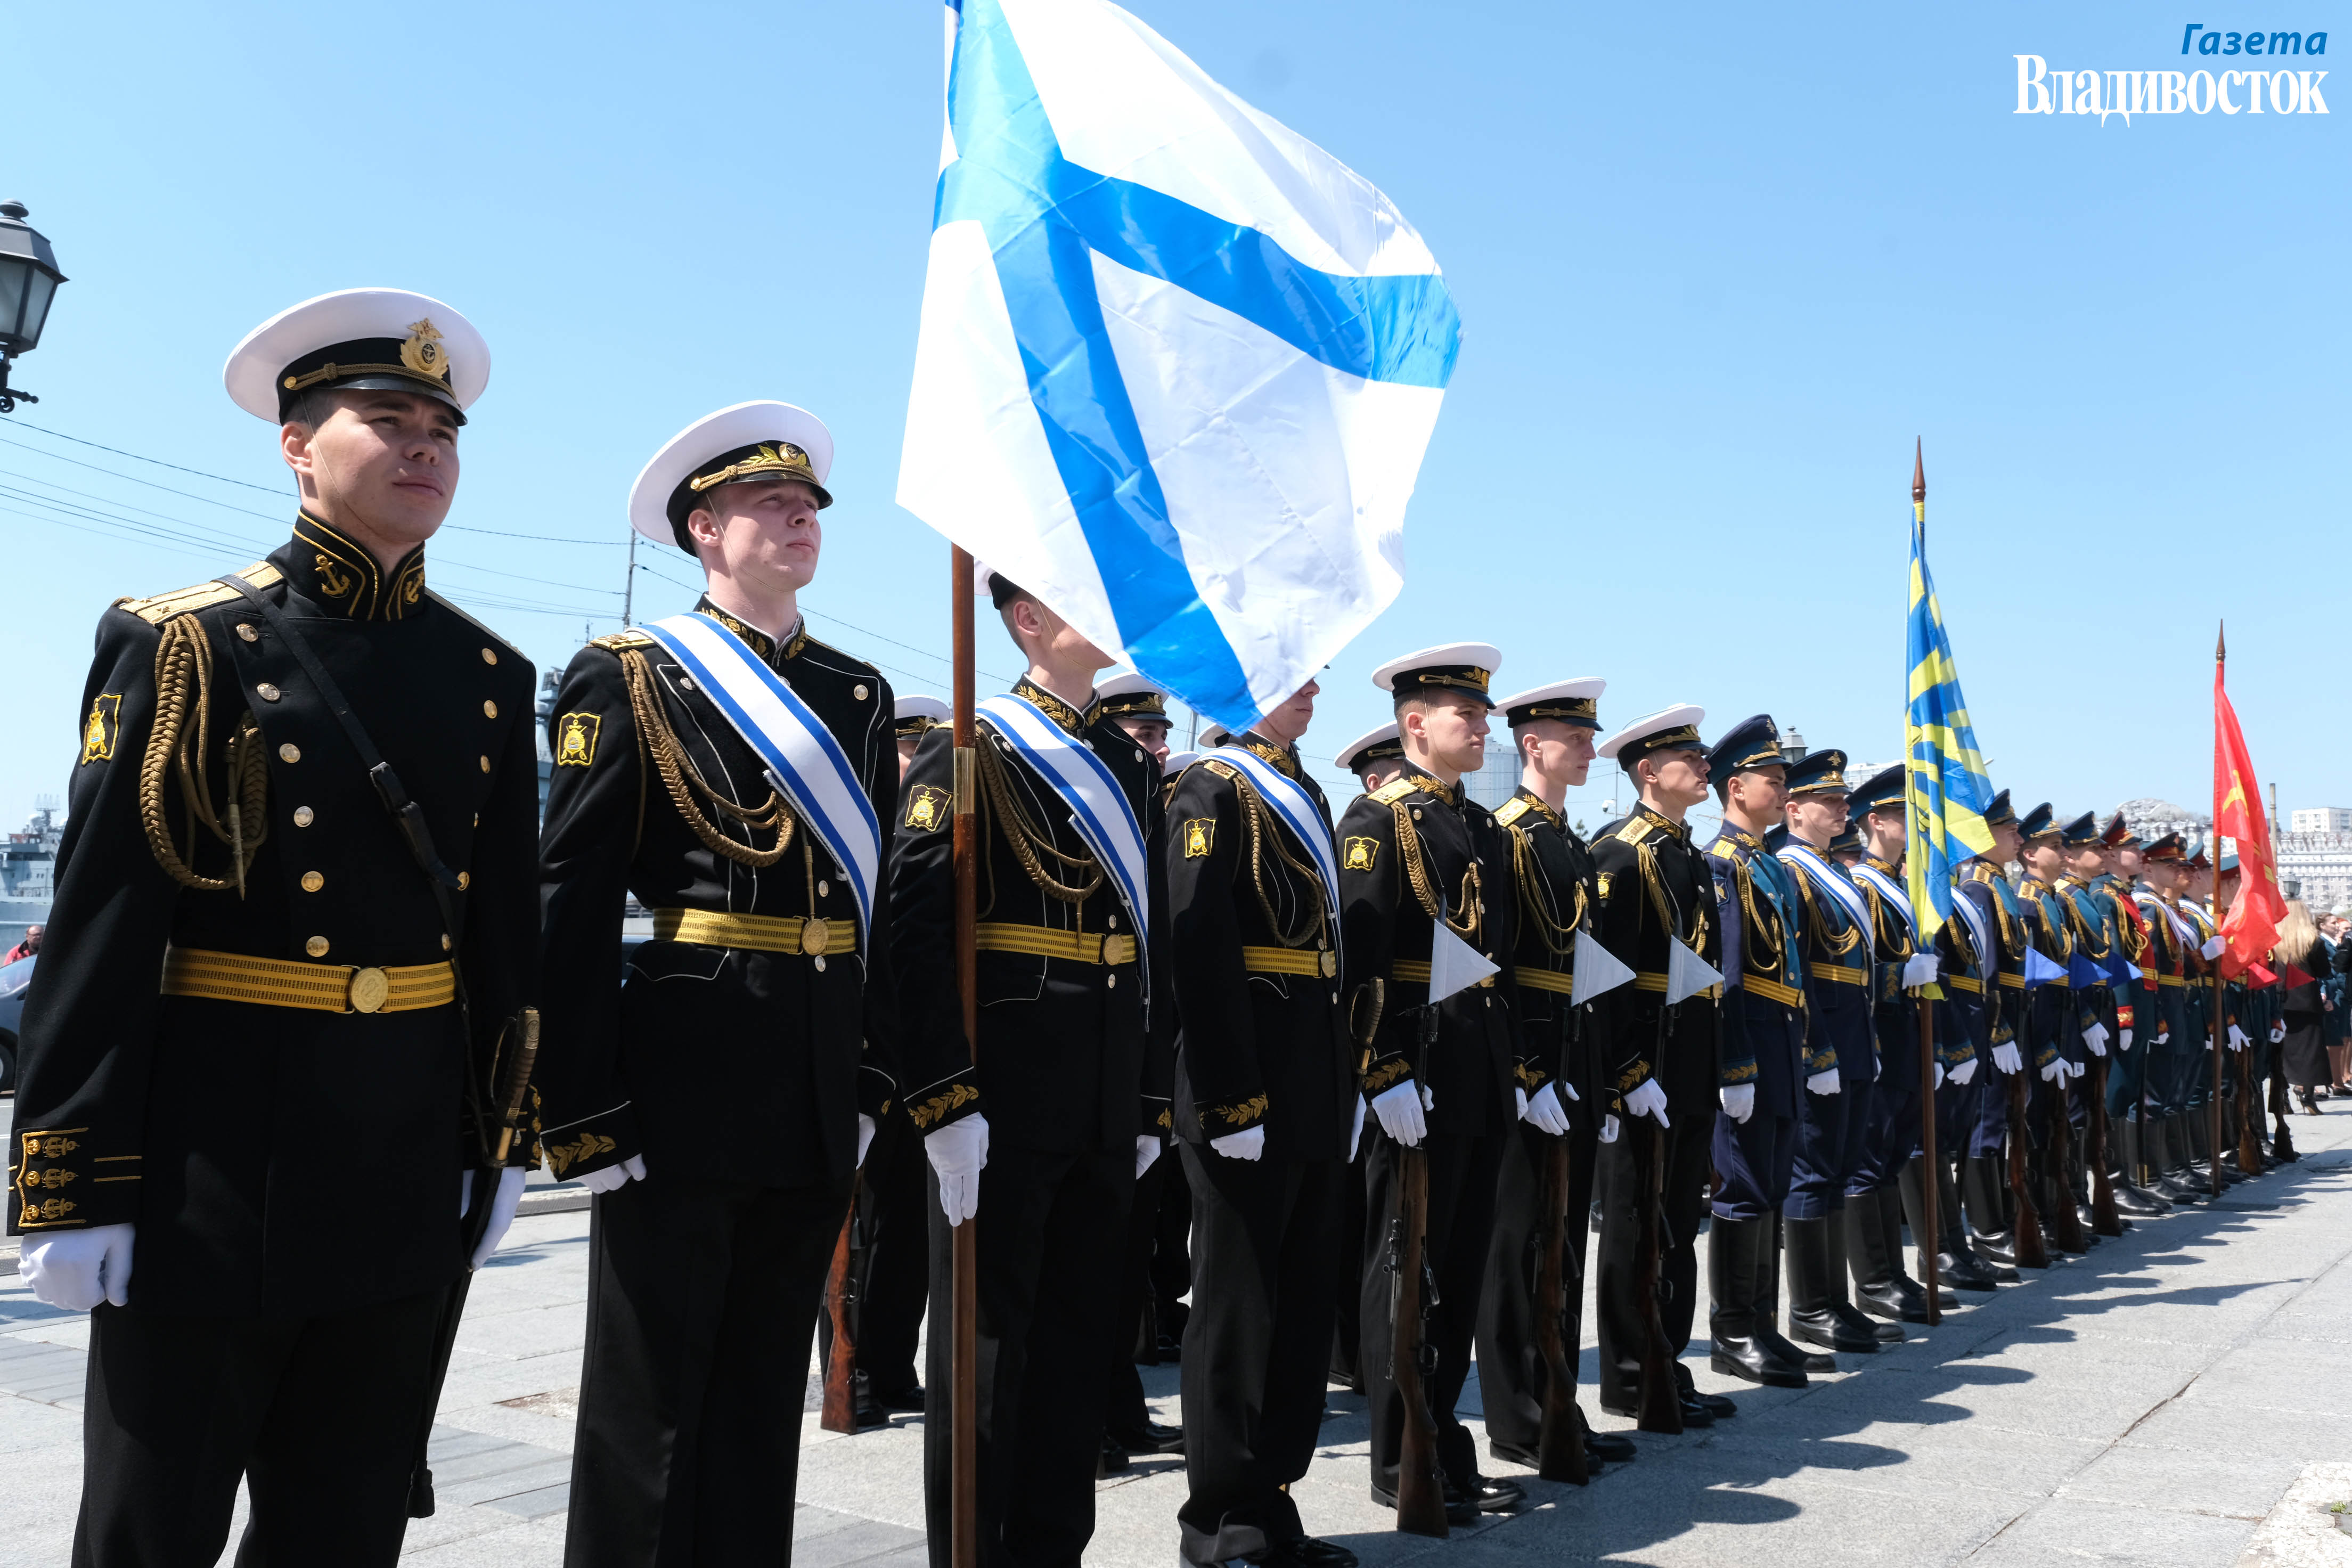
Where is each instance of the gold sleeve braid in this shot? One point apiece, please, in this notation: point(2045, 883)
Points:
point(1417, 873)
point(684, 782)
point(1254, 815)
point(184, 663)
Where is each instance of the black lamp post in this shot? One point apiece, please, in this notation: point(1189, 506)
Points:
point(1792, 747)
point(28, 281)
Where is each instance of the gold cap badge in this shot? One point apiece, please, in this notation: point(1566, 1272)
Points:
point(423, 351)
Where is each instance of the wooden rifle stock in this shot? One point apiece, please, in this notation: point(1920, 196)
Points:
point(2104, 1217)
point(1559, 1448)
point(1420, 1494)
point(839, 1412)
point(2065, 1224)
point(2250, 1145)
point(2031, 1249)
point(1660, 1406)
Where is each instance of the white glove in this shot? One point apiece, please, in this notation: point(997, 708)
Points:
point(612, 1178)
point(1824, 1082)
point(2278, 1032)
point(1608, 1128)
point(2056, 1071)
point(1648, 1100)
point(957, 1152)
point(1518, 1103)
point(2095, 1036)
point(1545, 1113)
point(2239, 1039)
point(1399, 1108)
point(1566, 1088)
point(502, 1213)
point(2163, 1039)
point(2211, 950)
point(2123, 1039)
point(1939, 1077)
point(1146, 1150)
point(1249, 1143)
point(77, 1270)
point(865, 1137)
point(1962, 1074)
point(1739, 1100)
point(2008, 1058)
point(1356, 1132)
point(1920, 969)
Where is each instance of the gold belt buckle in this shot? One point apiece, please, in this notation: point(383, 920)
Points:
point(369, 987)
point(1118, 948)
point(815, 935)
point(1327, 962)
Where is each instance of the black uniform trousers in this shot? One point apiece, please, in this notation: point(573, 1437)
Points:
point(891, 1203)
point(702, 1304)
point(1049, 1258)
point(1348, 1278)
point(1625, 1170)
point(1511, 1372)
point(319, 1415)
point(1124, 1409)
point(1461, 1222)
point(1265, 1237)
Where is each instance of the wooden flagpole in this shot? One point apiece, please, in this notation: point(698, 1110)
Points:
point(2221, 1029)
point(1931, 1182)
point(963, 1549)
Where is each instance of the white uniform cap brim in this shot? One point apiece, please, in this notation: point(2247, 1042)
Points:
point(1134, 683)
point(1177, 762)
point(1584, 686)
point(255, 364)
point(1211, 736)
point(920, 707)
point(1641, 728)
point(1484, 655)
point(706, 439)
point(1368, 739)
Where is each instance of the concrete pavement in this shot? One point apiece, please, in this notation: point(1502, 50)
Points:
point(2150, 1404)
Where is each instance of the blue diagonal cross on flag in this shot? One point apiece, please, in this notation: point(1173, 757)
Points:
point(1178, 365)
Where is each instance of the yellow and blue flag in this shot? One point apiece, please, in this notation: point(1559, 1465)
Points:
point(1949, 793)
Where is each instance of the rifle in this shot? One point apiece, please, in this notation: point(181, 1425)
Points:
point(1560, 1450)
point(1420, 1488)
point(1660, 1405)
point(839, 1412)
point(512, 1087)
point(2030, 1251)
point(2065, 1224)
point(2103, 1218)
point(2250, 1146)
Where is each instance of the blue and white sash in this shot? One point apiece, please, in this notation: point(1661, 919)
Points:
point(1098, 807)
point(1830, 880)
point(805, 763)
point(1979, 935)
point(2180, 928)
point(1296, 809)
point(1899, 897)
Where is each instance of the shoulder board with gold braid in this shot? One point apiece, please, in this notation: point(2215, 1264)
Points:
point(616, 641)
point(1511, 810)
point(1393, 791)
point(1222, 770)
point(162, 607)
point(1721, 851)
point(1636, 828)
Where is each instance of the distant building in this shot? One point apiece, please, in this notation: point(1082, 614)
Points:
point(28, 873)
point(2316, 866)
point(2320, 819)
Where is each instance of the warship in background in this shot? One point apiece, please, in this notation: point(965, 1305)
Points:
point(28, 873)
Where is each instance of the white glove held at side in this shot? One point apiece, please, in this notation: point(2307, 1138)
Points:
point(1739, 1100)
point(2056, 1071)
point(502, 1213)
point(2008, 1058)
point(1544, 1111)
point(2123, 1039)
point(1963, 1072)
point(2278, 1032)
point(957, 1152)
point(2239, 1039)
point(1824, 1082)
point(2211, 950)
point(1146, 1150)
point(1608, 1128)
point(1920, 969)
point(1648, 1100)
point(2095, 1036)
point(1249, 1143)
point(1356, 1131)
point(612, 1178)
point(77, 1270)
point(1400, 1110)
point(865, 1137)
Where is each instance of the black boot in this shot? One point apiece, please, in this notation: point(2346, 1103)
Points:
point(1956, 1260)
point(2078, 1177)
point(1874, 1272)
point(1849, 1260)
point(2060, 1222)
point(1733, 1258)
point(1812, 1311)
point(1911, 1206)
point(1767, 1307)
point(1992, 1234)
point(2160, 1141)
point(2124, 1171)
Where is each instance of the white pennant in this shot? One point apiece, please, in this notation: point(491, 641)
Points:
point(1454, 964)
point(1598, 970)
point(1687, 972)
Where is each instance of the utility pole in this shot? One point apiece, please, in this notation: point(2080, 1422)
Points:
point(629, 590)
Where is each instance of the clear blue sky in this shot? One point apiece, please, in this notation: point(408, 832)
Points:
point(1717, 264)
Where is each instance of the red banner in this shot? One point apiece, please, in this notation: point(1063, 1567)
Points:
point(2251, 926)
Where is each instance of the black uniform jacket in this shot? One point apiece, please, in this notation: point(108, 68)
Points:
point(1259, 1046)
point(1654, 884)
point(278, 1160)
point(735, 1063)
point(2052, 1010)
point(1895, 1011)
point(1408, 848)
point(1071, 1058)
point(1557, 893)
point(1763, 1019)
point(2003, 969)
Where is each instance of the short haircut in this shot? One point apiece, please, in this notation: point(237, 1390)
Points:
point(1422, 699)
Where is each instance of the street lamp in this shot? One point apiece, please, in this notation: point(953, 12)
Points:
point(1792, 747)
point(28, 281)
